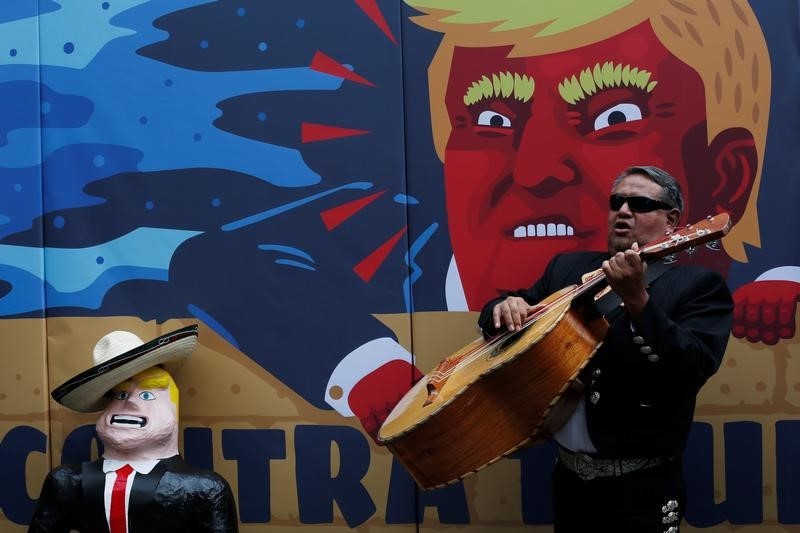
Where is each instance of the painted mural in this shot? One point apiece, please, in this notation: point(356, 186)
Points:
point(332, 189)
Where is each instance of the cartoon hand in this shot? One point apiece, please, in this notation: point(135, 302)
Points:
point(285, 286)
point(765, 310)
point(376, 394)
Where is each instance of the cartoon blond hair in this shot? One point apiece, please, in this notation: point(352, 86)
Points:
point(720, 39)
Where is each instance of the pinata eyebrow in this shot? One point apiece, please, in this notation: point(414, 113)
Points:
point(500, 85)
point(593, 79)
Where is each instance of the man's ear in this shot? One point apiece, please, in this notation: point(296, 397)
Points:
point(724, 179)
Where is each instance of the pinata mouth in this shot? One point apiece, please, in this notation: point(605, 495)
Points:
point(128, 421)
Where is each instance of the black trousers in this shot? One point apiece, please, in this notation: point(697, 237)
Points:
point(638, 502)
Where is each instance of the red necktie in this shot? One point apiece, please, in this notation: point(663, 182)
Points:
point(117, 519)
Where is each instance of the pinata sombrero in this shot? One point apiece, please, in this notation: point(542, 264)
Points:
point(119, 356)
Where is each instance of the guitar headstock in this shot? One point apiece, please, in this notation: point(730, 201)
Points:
point(708, 229)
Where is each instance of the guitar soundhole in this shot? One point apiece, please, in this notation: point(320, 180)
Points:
point(502, 346)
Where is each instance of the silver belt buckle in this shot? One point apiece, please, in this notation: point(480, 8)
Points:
point(584, 467)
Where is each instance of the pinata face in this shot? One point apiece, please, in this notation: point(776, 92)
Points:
point(141, 420)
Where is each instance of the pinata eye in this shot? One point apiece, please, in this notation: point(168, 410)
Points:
point(121, 395)
point(147, 395)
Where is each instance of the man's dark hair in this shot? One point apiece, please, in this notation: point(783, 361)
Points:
point(670, 188)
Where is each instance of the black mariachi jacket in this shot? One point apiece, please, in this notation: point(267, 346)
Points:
point(642, 384)
point(173, 497)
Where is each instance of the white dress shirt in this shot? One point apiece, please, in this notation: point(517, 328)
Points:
point(110, 467)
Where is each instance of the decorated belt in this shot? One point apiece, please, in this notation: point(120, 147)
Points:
point(587, 467)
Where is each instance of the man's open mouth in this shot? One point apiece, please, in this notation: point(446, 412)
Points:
point(622, 225)
point(128, 421)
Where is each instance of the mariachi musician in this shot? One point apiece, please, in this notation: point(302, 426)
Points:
point(619, 465)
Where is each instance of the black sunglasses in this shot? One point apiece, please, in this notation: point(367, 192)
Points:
point(637, 204)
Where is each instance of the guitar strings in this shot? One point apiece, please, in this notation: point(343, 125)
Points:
point(480, 351)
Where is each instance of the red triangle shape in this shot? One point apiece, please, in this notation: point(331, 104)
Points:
point(327, 65)
point(320, 132)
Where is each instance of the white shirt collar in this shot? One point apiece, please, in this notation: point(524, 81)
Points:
point(141, 467)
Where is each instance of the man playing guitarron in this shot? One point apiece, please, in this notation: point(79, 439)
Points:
point(620, 450)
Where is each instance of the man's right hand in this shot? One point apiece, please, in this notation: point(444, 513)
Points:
point(512, 313)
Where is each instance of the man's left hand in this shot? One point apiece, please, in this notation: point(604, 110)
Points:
point(625, 274)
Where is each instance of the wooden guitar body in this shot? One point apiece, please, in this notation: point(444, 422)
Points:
point(496, 402)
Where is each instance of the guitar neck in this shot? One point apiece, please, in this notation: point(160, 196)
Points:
point(712, 227)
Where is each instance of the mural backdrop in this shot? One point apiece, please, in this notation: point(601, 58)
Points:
point(332, 190)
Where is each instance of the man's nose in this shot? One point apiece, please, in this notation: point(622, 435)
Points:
point(545, 163)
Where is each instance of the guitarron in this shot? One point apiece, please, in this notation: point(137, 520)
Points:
point(493, 396)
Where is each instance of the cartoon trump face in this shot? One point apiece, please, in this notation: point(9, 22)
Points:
point(535, 111)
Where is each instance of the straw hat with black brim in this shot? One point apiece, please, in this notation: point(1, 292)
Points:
point(119, 356)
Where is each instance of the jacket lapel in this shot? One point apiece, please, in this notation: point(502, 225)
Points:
point(93, 482)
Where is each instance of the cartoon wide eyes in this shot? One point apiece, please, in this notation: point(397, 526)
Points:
point(617, 114)
point(493, 118)
point(121, 395)
point(147, 395)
